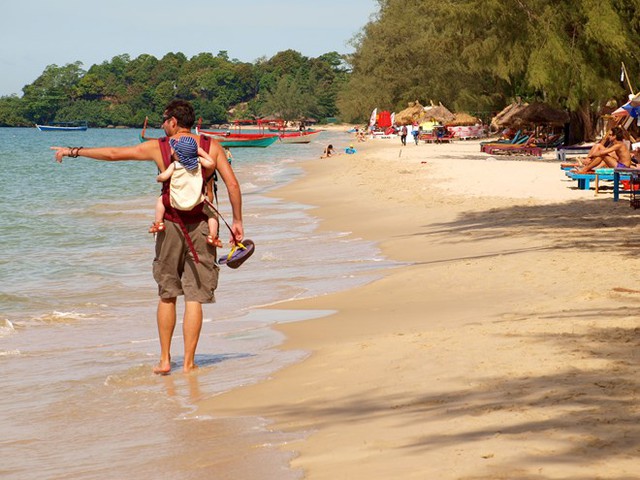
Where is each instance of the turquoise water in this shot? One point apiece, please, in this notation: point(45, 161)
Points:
point(77, 314)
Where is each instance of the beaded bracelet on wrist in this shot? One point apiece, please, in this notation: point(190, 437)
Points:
point(74, 151)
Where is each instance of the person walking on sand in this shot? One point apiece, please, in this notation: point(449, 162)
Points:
point(184, 263)
point(403, 134)
point(415, 132)
point(616, 155)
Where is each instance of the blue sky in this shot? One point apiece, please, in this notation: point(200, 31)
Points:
point(39, 33)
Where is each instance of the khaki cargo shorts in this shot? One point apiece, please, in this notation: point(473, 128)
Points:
point(174, 269)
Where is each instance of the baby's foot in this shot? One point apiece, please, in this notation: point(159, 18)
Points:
point(214, 241)
point(156, 227)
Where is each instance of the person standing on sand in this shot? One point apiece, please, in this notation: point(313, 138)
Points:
point(616, 155)
point(180, 267)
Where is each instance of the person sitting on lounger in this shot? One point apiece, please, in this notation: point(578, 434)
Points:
point(616, 155)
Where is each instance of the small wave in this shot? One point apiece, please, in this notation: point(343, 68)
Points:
point(10, 353)
point(60, 317)
point(249, 187)
point(6, 328)
point(8, 297)
point(147, 340)
point(270, 257)
point(134, 376)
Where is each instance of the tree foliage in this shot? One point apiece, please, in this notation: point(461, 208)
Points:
point(475, 55)
point(123, 91)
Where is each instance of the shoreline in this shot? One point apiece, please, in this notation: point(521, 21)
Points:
point(481, 355)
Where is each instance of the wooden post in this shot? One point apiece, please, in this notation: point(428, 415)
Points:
point(626, 75)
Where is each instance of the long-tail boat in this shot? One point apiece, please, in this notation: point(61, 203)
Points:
point(288, 136)
point(226, 139)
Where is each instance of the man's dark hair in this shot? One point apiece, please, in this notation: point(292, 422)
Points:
point(619, 134)
point(183, 112)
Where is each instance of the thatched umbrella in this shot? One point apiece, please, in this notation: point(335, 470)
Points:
point(539, 113)
point(505, 117)
point(413, 113)
point(462, 118)
point(439, 113)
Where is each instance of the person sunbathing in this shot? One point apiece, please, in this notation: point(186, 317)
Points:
point(616, 155)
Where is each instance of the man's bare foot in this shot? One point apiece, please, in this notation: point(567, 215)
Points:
point(162, 368)
point(190, 368)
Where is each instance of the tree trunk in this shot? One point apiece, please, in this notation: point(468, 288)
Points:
point(581, 125)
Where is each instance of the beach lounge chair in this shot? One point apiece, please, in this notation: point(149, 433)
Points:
point(564, 152)
point(554, 141)
point(598, 175)
point(517, 140)
point(427, 137)
point(515, 150)
point(445, 137)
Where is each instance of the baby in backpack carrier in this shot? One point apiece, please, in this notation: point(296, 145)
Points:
point(186, 151)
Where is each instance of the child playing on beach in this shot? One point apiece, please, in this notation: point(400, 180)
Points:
point(186, 151)
point(329, 151)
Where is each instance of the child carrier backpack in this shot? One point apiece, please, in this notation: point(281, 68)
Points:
point(186, 187)
point(188, 215)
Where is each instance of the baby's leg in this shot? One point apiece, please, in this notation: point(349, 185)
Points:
point(158, 223)
point(159, 210)
point(213, 239)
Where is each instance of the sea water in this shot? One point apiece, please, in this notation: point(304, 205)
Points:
point(77, 314)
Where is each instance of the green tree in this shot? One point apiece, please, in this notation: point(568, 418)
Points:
point(11, 112)
point(287, 100)
point(479, 54)
point(50, 92)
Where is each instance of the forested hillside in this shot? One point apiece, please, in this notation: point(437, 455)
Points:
point(123, 91)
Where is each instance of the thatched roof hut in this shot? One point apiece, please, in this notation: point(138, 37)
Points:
point(413, 113)
point(524, 114)
point(462, 118)
point(439, 113)
point(539, 113)
point(503, 118)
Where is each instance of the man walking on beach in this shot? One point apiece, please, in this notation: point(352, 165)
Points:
point(180, 267)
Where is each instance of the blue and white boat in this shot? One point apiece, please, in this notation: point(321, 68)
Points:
point(63, 127)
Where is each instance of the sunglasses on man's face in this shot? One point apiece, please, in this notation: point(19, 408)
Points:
point(165, 118)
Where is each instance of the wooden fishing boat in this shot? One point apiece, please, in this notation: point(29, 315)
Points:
point(63, 127)
point(288, 136)
point(304, 136)
point(226, 139)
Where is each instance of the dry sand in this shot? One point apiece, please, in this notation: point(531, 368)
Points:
point(504, 347)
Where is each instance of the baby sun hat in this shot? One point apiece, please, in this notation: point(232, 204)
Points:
point(187, 150)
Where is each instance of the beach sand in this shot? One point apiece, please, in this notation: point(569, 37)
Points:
point(504, 344)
